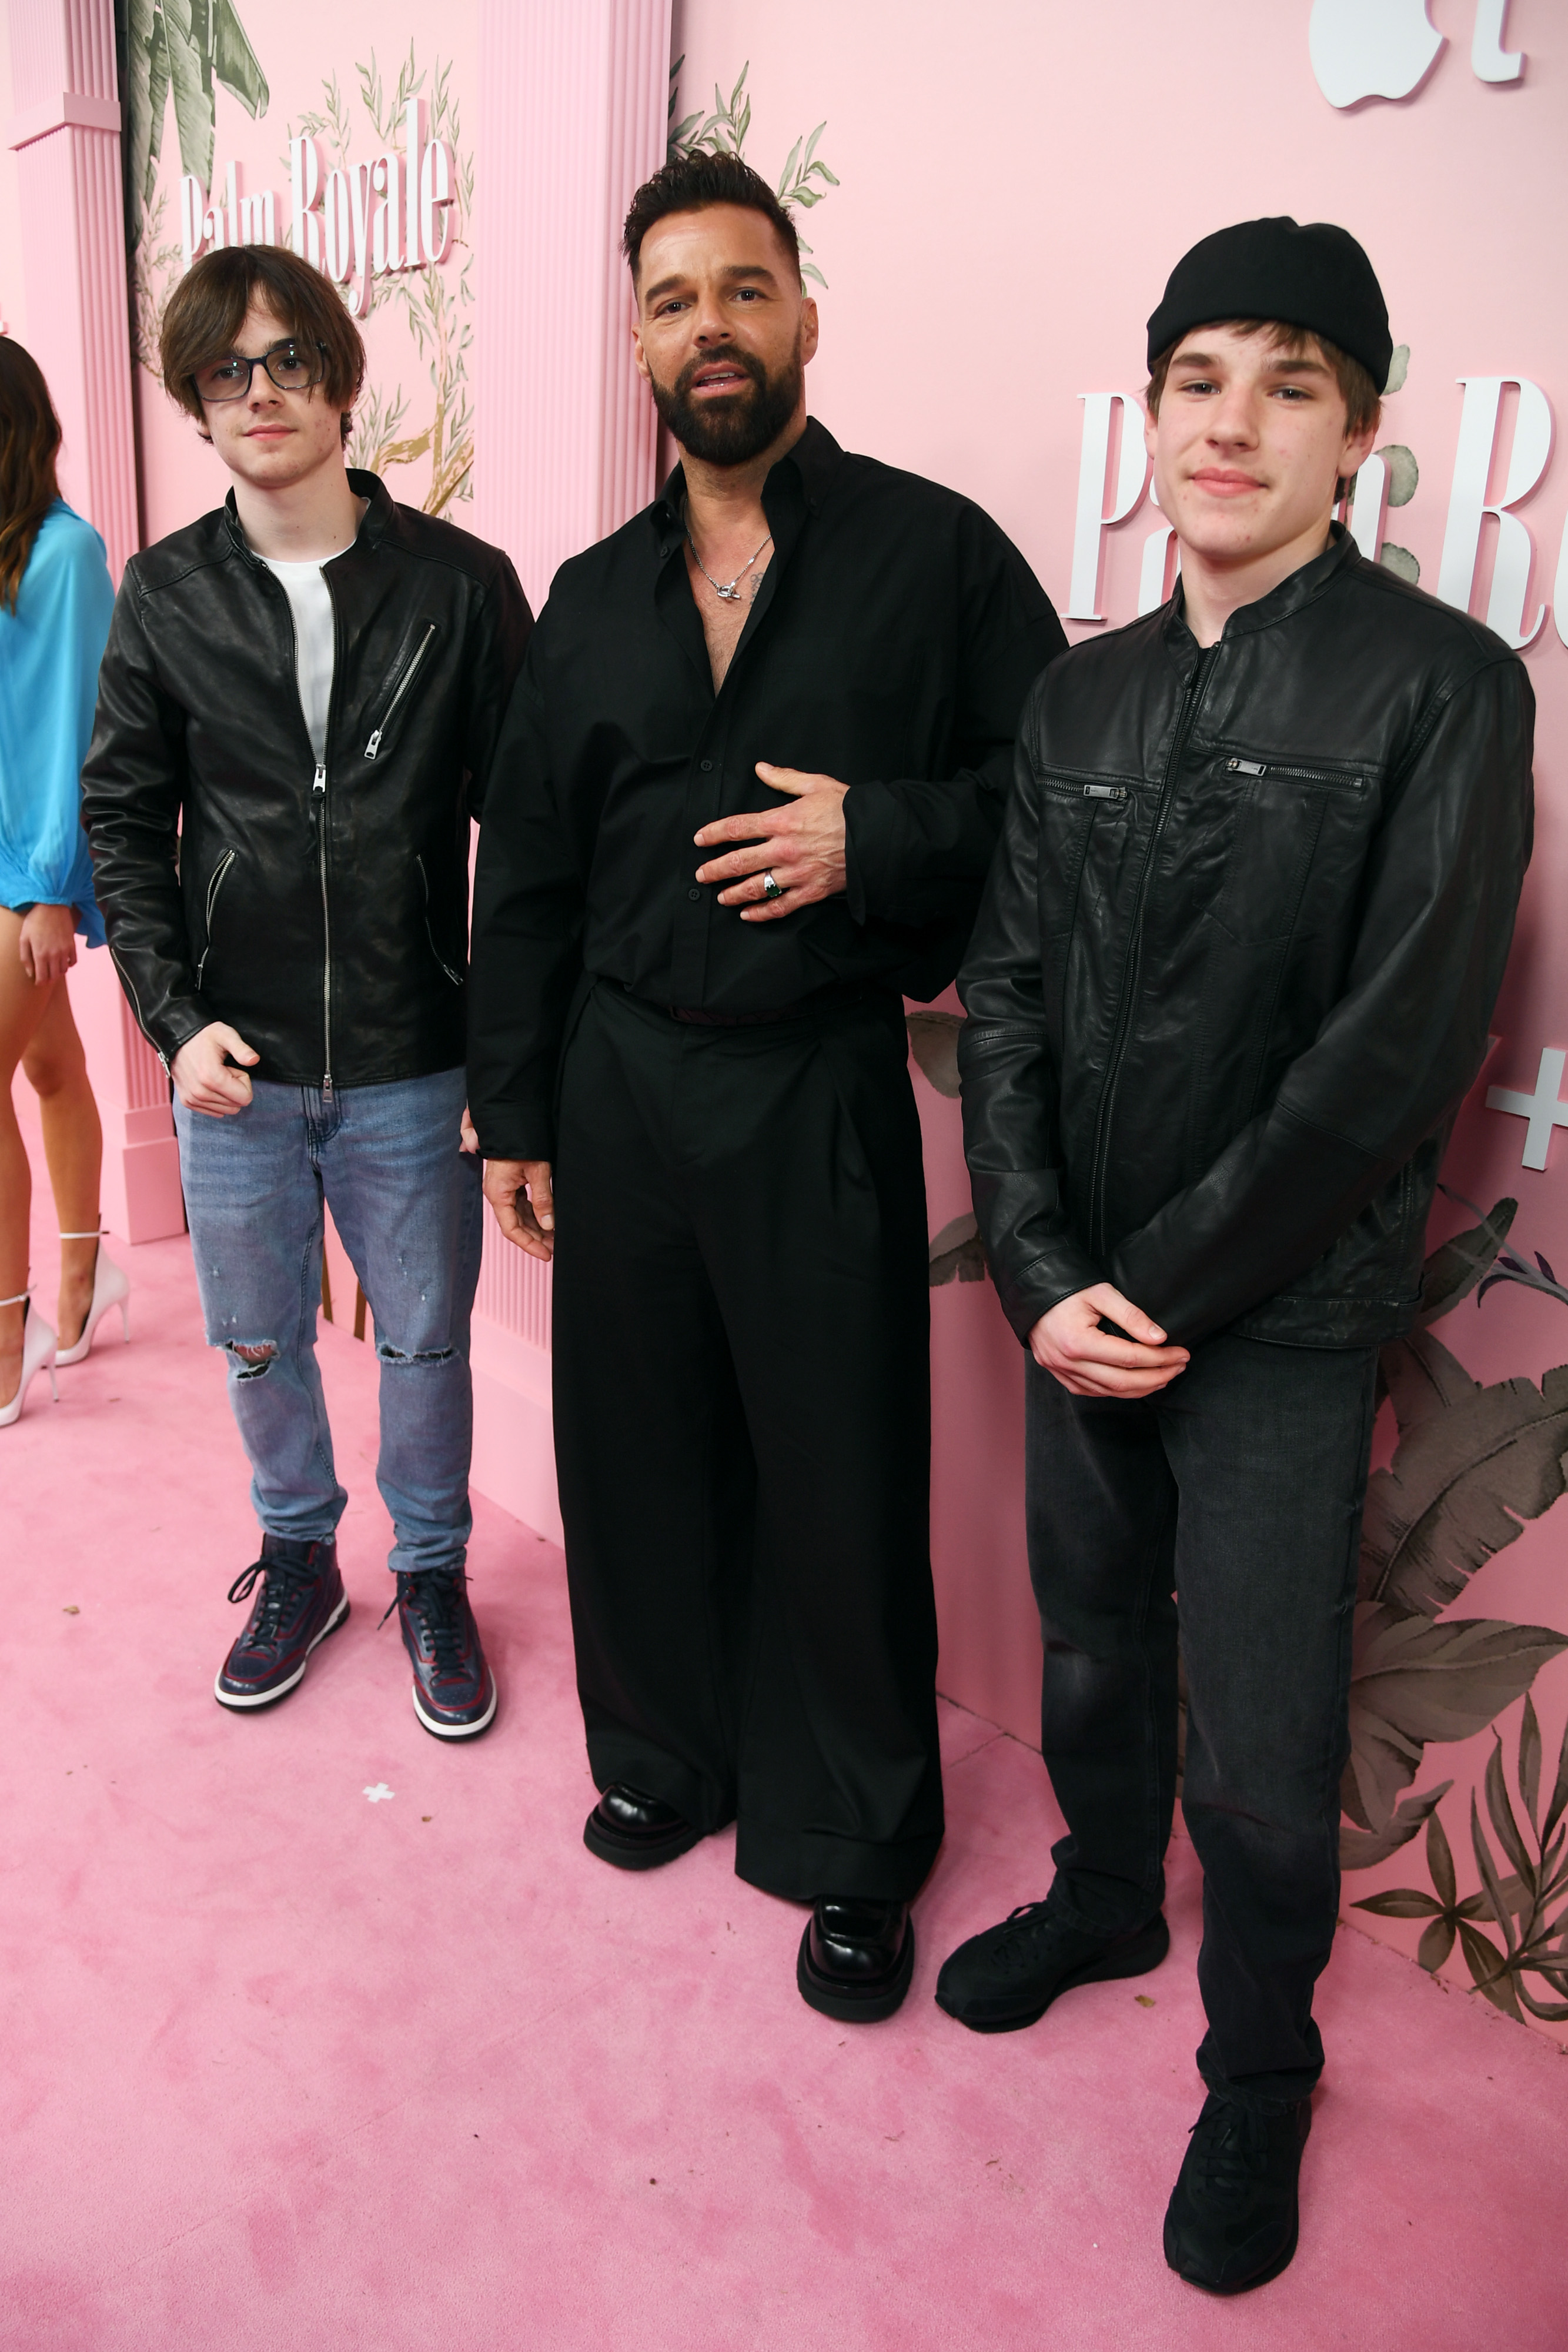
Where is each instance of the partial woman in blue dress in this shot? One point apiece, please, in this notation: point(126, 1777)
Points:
point(56, 598)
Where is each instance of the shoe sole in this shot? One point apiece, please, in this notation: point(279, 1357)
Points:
point(456, 1730)
point(639, 1857)
point(848, 2008)
point(1138, 1957)
point(1282, 2262)
point(238, 1705)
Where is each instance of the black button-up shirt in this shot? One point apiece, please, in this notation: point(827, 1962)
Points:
point(892, 640)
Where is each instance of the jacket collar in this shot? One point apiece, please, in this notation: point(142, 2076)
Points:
point(1291, 596)
point(811, 464)
point(377, 519)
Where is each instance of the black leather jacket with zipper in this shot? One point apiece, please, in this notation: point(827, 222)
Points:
point(1238, 954)
point(321, 910)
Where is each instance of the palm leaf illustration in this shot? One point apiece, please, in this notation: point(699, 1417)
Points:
point(1415, 1681)
point(957, 1255)
point(1455, 1267)
point(1473, 1465)
point(934, 1042)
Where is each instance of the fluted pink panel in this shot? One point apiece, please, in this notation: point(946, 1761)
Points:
point(73, 234)
point(571, 119)
point(572, 99)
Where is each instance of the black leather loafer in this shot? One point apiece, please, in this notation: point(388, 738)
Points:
point(635, 1832)
point(856, 1958)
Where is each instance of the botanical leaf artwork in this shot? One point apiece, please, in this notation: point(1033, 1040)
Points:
point(194, 47)
point(435, 299)
point(186, 46)
point(805, 179)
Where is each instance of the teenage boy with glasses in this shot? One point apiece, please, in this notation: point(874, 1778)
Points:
point(297, 706)
point(1230, 983)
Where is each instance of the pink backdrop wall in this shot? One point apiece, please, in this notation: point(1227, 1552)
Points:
point(1004, 195)
point(1014, 183)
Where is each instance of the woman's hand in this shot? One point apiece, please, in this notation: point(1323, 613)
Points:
point(49, 944)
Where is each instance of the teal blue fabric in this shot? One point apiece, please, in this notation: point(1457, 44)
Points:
point(50, 648)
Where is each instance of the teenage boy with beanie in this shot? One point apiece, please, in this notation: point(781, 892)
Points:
point(299, 702)
point(1229, 984)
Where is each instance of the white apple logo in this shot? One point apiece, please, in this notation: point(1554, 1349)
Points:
point(1371, 49)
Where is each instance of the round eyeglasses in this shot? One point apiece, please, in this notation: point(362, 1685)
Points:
point(292, 366)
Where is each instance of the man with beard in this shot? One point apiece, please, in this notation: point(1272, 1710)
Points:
point(747, 793)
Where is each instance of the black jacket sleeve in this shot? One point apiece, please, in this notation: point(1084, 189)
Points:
point(1399, 1050)
point(908, 843)
point(1012, 1138)
point(526, 955)
point(501, 638)
point(132, 788)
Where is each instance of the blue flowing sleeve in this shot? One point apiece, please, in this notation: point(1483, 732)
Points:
point(50, 648)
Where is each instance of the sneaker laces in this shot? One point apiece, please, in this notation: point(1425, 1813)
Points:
point(436, 1599)
point(1230, 2148)
point(287, 1582)
point(1023, 1931)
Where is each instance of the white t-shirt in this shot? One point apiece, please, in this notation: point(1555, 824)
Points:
point(310, 601)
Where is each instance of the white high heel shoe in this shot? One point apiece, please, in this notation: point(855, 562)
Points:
point(37, 1356)
point(110, 1287)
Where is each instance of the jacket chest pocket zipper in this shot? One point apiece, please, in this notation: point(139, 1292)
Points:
point(1328, 777)
point(401, 684)
point(220, 875)
point(456, 978)
point(1057, 790)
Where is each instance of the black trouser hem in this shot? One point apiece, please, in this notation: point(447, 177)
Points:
point(800, 1864)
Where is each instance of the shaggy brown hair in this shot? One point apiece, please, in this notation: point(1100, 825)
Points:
point(1362, 398)
point(207, 309)
point(29, 444)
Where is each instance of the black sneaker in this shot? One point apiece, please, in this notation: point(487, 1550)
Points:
point(453, 1689)
point(1008, 1977)
point(301, 1600)
point(1232, 2219)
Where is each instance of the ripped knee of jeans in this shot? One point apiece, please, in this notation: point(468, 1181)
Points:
point(253, 1357)
point(391, 1355)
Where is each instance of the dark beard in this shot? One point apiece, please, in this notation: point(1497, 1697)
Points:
point(733, 431)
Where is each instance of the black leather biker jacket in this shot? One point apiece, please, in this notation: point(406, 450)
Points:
point(1238, 953)
point(321, 911)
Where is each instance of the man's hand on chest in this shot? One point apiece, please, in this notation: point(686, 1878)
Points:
point(800, 846)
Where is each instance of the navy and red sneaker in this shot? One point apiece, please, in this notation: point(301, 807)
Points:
point(301, 1600)
point(453, 1689)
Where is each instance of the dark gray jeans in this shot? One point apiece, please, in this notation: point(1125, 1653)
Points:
point(1240, 1488)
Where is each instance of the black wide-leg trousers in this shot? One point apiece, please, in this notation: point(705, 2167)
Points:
point(1231, 1499)
point(742, 1423)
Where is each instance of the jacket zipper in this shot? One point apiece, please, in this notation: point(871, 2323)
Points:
point(404, 680)
point(318, 788)
point(429, 934)
point(220, 874)
point(1192, 698)
point(1298, 775)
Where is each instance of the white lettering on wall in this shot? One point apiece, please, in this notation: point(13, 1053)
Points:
point(1092, 517)
point(364, 220)
point(1469, 504)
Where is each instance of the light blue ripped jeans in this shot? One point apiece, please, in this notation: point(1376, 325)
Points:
point(407, 1205)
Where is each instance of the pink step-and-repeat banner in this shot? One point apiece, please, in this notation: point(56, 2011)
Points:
point(992, 200)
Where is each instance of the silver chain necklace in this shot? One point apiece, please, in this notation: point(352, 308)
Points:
point(730, 591)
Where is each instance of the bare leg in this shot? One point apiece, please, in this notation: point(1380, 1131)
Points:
point(56, 1065)
point(22, 1006)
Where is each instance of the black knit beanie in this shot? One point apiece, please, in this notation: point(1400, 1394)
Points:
point(1317, 277)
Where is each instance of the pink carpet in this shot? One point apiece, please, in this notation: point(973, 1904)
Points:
point(286, 2066)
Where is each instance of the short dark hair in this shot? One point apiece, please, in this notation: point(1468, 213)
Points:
point(691, 184)
point(207, 309)
point(1363, 399)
